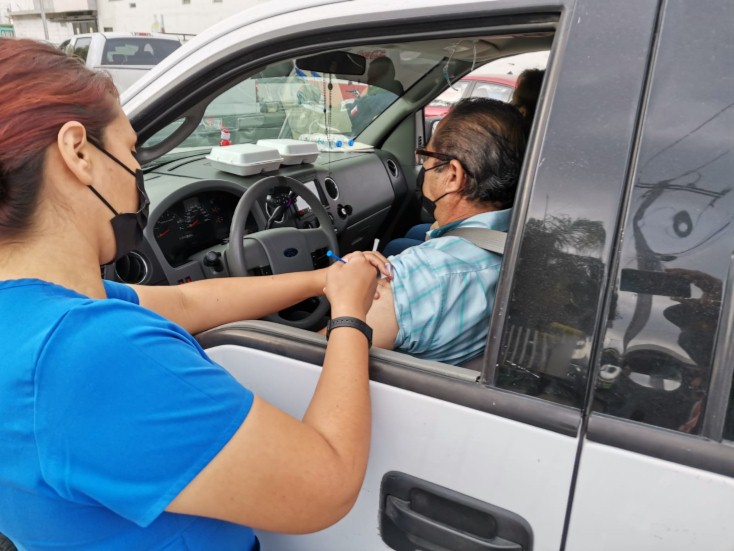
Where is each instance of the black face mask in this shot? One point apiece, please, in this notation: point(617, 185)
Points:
point(127, 227)
point(428, 205)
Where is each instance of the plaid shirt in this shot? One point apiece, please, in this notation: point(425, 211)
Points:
point(444, 292)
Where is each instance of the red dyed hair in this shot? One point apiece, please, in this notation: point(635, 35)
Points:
point(42, 88)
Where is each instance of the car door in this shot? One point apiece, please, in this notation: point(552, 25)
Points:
point(485, 460)
point(658, 455)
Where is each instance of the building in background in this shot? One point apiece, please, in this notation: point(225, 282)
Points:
point(182, 17)
point(58, 20)
point(52, 20)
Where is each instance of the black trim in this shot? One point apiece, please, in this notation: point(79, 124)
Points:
point(668, 445)
point(444, 382)
point(604, 299)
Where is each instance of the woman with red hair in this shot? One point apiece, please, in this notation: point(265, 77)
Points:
point(118, 431)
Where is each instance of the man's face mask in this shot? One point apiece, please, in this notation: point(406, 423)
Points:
point(127, 227)
point(428, 205)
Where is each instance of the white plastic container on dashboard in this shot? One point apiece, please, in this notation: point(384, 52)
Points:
point(245, 159)
point(294, 152)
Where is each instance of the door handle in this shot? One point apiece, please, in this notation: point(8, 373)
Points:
point(419, 515)
point(421, 528)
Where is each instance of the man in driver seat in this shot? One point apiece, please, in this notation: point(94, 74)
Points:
point(438, 304)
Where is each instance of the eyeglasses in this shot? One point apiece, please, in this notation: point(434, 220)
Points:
point(421, 155)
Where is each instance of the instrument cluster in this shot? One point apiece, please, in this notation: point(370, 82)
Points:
point(196, 223)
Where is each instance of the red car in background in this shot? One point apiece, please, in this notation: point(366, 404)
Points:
point(471, 86)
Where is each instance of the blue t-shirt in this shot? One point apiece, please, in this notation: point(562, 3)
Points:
point(444, 292)
point(108, 411)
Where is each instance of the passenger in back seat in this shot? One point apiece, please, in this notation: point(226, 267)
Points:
point(438, 304)
point(527, 91)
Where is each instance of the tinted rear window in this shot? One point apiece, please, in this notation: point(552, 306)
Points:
point(137, 51)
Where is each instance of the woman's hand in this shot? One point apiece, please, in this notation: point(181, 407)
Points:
point(382, 264)
point(351, 287)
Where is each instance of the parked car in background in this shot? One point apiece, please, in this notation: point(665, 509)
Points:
point(125, 56)
point(472, 86)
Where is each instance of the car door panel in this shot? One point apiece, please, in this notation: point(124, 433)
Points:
point(652, 459)
point(663, 506)
point(528, 469)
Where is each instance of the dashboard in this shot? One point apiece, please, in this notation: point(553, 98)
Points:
point(192, 207)
point(195, 223)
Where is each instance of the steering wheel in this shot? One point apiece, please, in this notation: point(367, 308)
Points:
point(284, 249)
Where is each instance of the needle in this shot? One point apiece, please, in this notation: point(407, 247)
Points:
point(331, 254)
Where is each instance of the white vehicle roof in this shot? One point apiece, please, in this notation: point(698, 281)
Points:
point(131, 35)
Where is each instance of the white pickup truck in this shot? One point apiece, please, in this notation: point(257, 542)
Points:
point(125, 56)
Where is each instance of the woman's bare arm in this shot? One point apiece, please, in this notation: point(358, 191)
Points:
point(201, 305)
point(281, 474)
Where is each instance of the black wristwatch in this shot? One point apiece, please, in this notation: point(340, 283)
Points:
point(350, 322)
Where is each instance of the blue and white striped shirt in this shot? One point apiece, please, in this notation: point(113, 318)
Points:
point(444, 292)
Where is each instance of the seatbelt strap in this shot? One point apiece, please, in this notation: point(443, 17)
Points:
point(484, 238)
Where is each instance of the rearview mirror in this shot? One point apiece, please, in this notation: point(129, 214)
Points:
point(340, 63)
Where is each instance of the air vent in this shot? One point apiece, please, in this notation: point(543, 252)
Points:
point(392, 167)
point(132, 268)
point(331, 188)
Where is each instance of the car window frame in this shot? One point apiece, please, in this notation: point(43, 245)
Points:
point(148, 119)
point(538, 178)
point(551, 416)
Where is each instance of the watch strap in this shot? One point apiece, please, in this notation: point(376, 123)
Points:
point(354, 323)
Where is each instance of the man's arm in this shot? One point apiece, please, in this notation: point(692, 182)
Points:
point(382, 319)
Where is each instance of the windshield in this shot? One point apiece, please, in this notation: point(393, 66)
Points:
point(299, 106)
point(290, 99)
point(137, 50)
point(285, 101)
